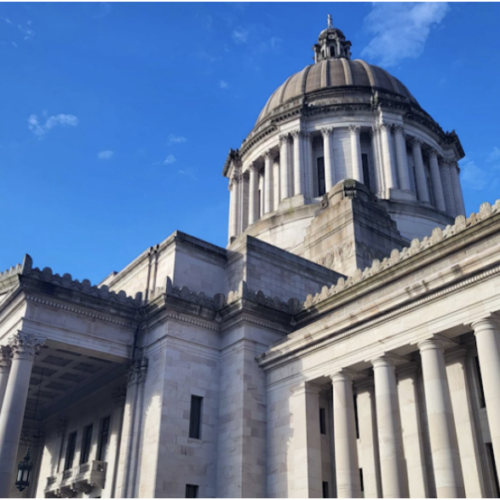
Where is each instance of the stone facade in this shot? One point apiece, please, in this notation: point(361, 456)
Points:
point(346, 343)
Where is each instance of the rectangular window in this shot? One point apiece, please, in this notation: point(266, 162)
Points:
point(482, 402)
point(356, 415)
point(70, 451)
point(321, 176)
point(493, 468)
point(195, 417)
point(361, 483)
point(366, 171)
point(102, 446)
point(326, 493)
point(191, 491)
point(86, 442)
point(259, 205)
point(322, 421)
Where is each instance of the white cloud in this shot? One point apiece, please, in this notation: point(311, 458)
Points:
point(223, 84)
point(494, 155)
point(26, 31)
point(189, 172)
point(240, 35)
point(401, 29)
point(176, 139)
point(472, 176)
point(105, 155)
point(40, 130)
point(169, 160)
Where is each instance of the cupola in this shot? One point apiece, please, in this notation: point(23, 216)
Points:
point(331, 44)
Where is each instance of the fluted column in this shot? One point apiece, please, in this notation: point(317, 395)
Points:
point(344, 428)
point(24, 349)
point(4, 371)
point(286, 188)
point(327, 133)
point(244, 192)
point(367, 423)
point(276, 183)
point(389, 167)
point(304, 406)
point(422, 190)
point(442, 432)
point(392, 464)
point(253, 196)
point(402, 158)
point(487, 333)
point(234, 202)
point(298, 174)
point(437, 187)
point(357, 169)
point(379, 174)
point(412, 431)
point(307, 164)
point(457, 189)
point(268, 182)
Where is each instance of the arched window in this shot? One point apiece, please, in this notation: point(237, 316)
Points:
point(332, 51)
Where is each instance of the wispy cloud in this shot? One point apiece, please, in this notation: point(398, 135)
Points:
point(494, 155)
point(27, 31)
point(240, 35)
point(400, 30)
point(175, 139)
point(473, 176)
point(40, 129)
point(189, 172)
point(169, 160)
point(104, 10)
point(223, 84)
point(105, 155)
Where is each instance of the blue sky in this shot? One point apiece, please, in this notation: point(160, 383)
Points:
point(116, 118)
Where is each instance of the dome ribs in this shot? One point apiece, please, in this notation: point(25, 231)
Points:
point(347, 71)
point(305, 72)
point(325, 73)
point(372, 77)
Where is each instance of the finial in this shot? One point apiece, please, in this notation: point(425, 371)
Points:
point(330, 22)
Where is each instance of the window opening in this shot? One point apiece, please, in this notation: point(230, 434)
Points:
point(320, 165)
point(326, 493)
point(332, 51)
point(70, 451)
point(102, 449)
point(86, 442)
point(322, 421)
point(356, 415)
point(195, 417)
point(361, 483)
point(482, 401)
point(191, 491)
point(366, 170)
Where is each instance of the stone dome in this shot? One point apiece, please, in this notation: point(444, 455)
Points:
point(334, 74)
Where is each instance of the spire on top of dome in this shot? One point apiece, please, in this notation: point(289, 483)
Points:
point(331, 44)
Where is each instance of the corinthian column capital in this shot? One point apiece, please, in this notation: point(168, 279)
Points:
point(25, 345)
point(295, 134)
point(386, 126)
point(354, 129)
point(284, 138)
point(433, 152)
point(268, 154)
point(414, 142)
point(399, 129)
point(137, 372)
point(326, 131)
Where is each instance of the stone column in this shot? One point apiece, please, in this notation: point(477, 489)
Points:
point(436, 180)
point(379, 175)
point(422, 190)
point(457, 189)
point(344, 429)
point(412, 431)
point(367, 423)
point(357, 169)
point(276, 183)
point(285, 167)
point(233, 206)
point(307, 473)
point(442, 433)
point(253, 199)
point(468, 438)
point(244, 191)
point(389, 167)
point(487, 333)
point(392, 463)
point(402, 159)
point(4, 371)
point(268, 182)
point(328, 155)
point(298, 174)
point(24, 349)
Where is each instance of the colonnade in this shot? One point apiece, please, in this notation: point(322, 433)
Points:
point(288, 169)
point(16, 362)
point(391, 432)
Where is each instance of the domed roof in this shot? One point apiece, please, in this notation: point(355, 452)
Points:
point(330, 73)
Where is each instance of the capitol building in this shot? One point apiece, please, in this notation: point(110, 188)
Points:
point(345, 343)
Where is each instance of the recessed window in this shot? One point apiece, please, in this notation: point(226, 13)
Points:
point(332, 51)
point(361, 482)
point(86, 442)
point(320, 166)
point(70, 451)
point(102, 447)
point(326, 493)
point(322, 421)
point(191, 491)
point(356, 415)
point(195, 417)
point(366, 170)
